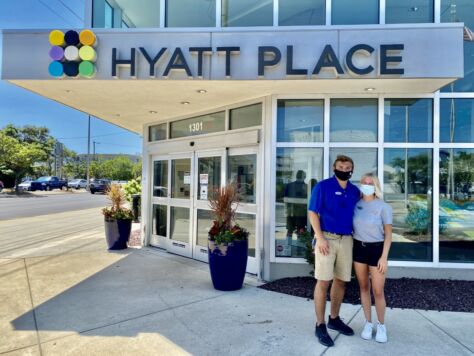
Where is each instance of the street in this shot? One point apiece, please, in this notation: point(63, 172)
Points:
point(47, 203)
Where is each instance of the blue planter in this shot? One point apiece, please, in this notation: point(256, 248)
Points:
point(117, 233)
point(228, 265)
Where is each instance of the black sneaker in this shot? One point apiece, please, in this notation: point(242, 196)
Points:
point(338, 325)
point(322, 334)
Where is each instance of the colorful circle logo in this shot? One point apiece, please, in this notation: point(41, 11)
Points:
point(73, 54)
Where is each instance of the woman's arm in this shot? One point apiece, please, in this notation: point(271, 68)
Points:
point(383, 261)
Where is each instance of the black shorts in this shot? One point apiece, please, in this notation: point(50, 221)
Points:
point(368, 253)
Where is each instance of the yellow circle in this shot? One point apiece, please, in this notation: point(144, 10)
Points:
point(87, 53)
point(87, 37)
point(56, 38)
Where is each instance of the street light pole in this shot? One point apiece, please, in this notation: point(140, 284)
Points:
point(88, 150)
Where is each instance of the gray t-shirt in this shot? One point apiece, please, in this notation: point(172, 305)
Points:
point(369, 219)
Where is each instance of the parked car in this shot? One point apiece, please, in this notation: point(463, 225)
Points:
point(77, 183)
point(99, 185)
point(48, 183)
point(25, 185)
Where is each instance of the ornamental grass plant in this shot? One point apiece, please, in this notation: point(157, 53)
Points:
point(116, 210)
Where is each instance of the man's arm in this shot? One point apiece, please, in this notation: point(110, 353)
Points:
point(321, 244)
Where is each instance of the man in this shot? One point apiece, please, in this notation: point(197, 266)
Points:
point(331, 208)
point(296, 204)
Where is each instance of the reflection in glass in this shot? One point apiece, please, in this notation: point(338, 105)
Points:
point(159, 220)
point(353, 120)
point(365, 161)
point(301, 12)
point(108, 15)
point(246, 116)
point(408, 120)
point(190, 13)
point(244, 13)
point(160, 178)
point(408, 185)
point(209, 176)
point(457, 120)
point(297, 172)
point(198, 125)
point(300, 120)
point(345, 12)
point(181, 178)
point(204, 224)
point(248, 221)
point(157, 132)
point(462, 11)
point(126, 13)
point(456, 210)
point(421, 11)
point(179, 224)
point(242, 170)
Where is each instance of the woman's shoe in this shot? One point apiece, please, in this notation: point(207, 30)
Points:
point(366, 333)
point(381, 335)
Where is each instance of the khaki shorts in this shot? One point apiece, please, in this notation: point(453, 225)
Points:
point(338, 263)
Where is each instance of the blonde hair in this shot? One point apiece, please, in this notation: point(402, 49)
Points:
point(375, 179)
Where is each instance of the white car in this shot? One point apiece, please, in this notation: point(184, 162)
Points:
point(25, 185)
point(77, 183)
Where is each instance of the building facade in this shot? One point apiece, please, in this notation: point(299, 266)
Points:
point(266, 94)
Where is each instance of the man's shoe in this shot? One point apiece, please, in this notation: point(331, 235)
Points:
point(381, 335)
point(338, 325)
point(366, 333)
point(322, 334)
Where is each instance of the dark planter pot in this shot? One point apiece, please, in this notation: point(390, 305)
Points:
point(117, 233)
point(228, 264)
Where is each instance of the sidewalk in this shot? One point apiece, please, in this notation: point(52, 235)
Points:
point(88, 301)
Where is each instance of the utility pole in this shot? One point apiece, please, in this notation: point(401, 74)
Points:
point(88, 150)
point(93, 150)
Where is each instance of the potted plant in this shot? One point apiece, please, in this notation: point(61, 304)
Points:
point(117, 219)
point(227, 243)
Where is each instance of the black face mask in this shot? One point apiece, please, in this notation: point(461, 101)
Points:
point(343, 175)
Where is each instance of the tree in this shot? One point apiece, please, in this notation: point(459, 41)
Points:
point(17, 158)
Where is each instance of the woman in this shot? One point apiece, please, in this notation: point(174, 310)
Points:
point(372, 239)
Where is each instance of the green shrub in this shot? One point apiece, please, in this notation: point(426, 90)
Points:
point(133, 186)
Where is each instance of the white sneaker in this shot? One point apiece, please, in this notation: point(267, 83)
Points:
point(366, 333)
point(381, 335)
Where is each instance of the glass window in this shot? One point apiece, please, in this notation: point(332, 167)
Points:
point(462, 11)
point(160, 178)
point(248, 221)
point(159, 220)
point(297, 172)
point(242, 172)
point(408, 189)
point(409, 11)
point(456, 205)
point(190, 13)
point(408, 120)
point(457, 120)
point(353, 120)
point(245, 13)
point(181, 178)
point(345, 12)
point(209, 176)
point(300, 120)
point(301, 12)
point(365, 161)
point(246, 116)
point(198, 125)
point(109, 15)
point(157, 132)
point(179, 224)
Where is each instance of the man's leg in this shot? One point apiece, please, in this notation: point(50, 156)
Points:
point(338, 289)
point(320, 293)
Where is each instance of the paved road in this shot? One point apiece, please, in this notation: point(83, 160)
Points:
point(45, 203)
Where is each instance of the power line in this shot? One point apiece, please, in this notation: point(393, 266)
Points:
point(82, 137)
point(71, 11)
point(115, 144)
point(52, 10)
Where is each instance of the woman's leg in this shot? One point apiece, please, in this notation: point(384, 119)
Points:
point(362, 273)
point(378, 284)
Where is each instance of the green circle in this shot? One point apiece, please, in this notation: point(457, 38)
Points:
point(86, 69)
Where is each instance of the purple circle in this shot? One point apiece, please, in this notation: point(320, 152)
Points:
point(56, 53)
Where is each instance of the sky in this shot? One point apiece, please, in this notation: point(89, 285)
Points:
point(21, 107)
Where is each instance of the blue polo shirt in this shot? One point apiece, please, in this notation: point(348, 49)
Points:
point(334, 205)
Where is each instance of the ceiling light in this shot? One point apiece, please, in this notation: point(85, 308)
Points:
point(414, 8)
point(185, 103)
point(153, 112)
point(202, 91)
point(118, 115)
point(68, 91)
point(369, 89)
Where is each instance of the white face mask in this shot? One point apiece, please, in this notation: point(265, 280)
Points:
point(367, 189)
